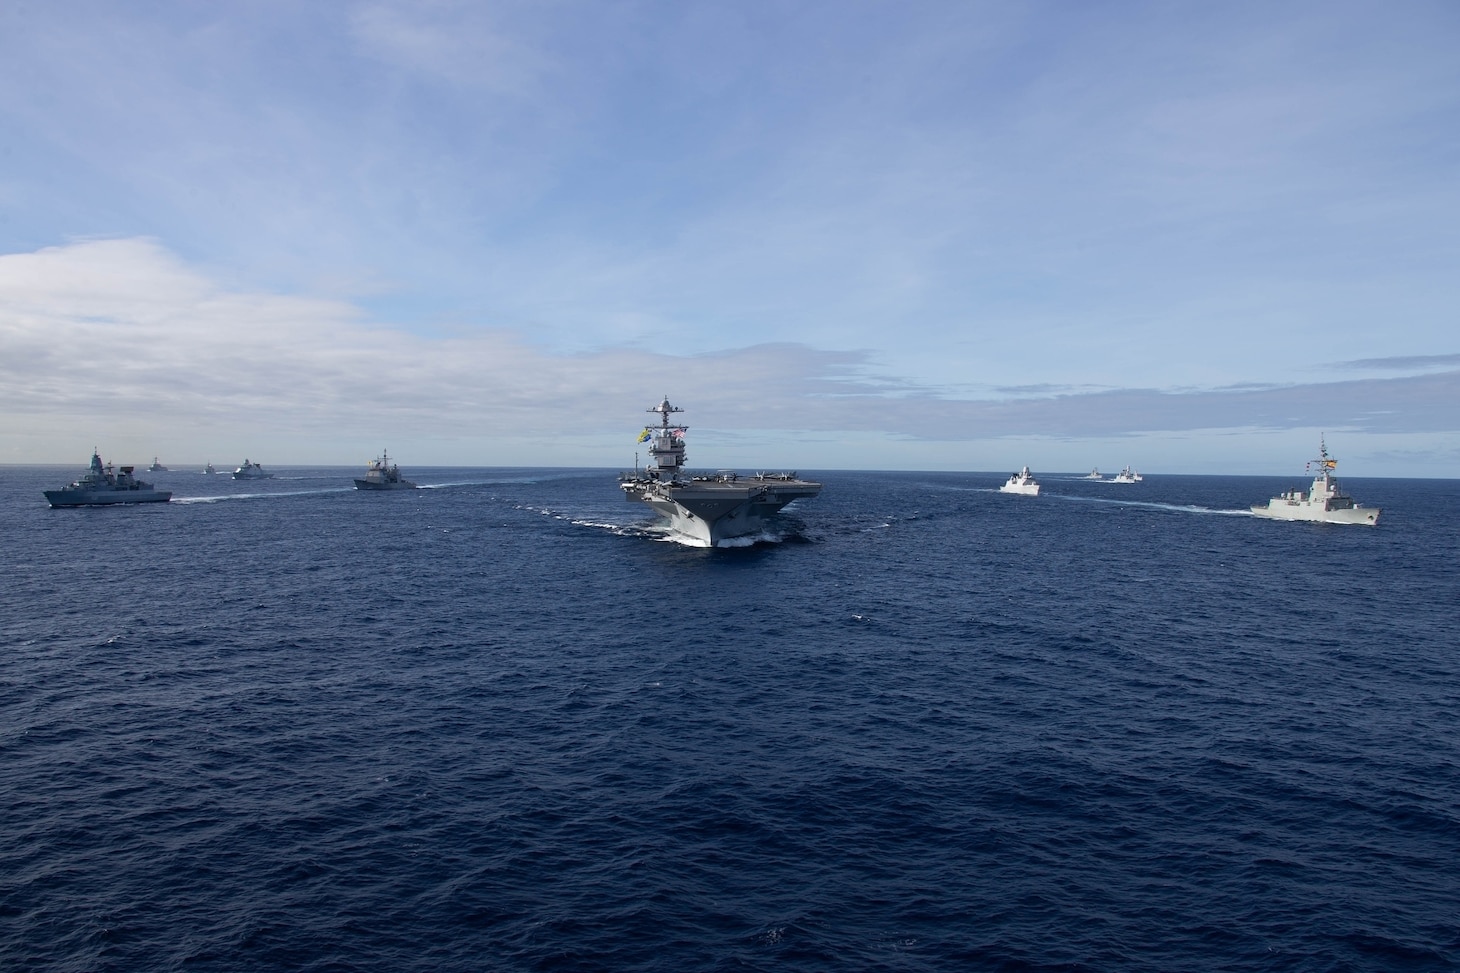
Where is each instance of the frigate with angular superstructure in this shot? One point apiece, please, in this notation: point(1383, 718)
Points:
point(251, 471)
point(1022, 482)
point(1323, 502)
point(103, 485)
point(706, 509)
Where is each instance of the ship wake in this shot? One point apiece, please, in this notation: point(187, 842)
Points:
point(261, 496)
point(1181, 508)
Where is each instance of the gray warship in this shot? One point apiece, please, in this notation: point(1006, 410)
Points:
point(382, 474)
point(706, 510)
point(103, 485)
point(1324, 502)
point(1022, 482)
point(251, 471)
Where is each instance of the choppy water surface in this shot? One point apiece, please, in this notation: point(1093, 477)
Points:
point(502, 724)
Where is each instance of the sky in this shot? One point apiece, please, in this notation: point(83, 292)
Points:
point(1189, 238)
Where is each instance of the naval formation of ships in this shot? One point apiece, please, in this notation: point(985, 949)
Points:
point(709, 509)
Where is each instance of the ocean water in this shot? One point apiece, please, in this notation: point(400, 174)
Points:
point(503, 724)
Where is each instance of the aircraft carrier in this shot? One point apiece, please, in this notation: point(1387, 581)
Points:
point(706, 510)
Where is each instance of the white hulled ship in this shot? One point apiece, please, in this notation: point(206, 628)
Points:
point(382, 474)
point(103, 485)
point(1022, 482)
point(1093, 475)
point(1323, 502)
point(707, 509)
point(1127, 475)
point(251, 471)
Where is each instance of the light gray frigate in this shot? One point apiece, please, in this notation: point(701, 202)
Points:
point(1022, 482)
point(101, 485)
point(1323, 502)
point(711, 508)
point(251, 471)
point(382, 474)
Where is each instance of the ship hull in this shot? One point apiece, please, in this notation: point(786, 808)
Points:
point(104, 498)
point(1022, 489)
point(1317, 513)
point(379, 485)
point(711, 513)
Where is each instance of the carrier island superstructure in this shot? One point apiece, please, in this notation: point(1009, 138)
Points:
point(706, 509)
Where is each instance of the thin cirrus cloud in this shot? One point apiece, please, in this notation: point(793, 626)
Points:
point(1405, 363)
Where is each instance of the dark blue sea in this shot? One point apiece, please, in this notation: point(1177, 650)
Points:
point(502, 724)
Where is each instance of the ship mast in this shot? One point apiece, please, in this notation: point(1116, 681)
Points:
point(664, 409)
point(1325, 462)
point(667, 445)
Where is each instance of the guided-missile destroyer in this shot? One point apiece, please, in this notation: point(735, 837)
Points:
point(706, 509)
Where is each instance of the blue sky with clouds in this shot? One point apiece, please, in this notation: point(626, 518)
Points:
point(841, 235)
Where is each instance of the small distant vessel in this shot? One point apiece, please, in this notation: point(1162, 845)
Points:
point(209, 469)
point(1127, 475)
point(251, 471)
point(1093, 475)
point(708, 509)
point(103, 485)
point(156, 466)
point(1324, 502)
point(382, 474)
point(1022, 482)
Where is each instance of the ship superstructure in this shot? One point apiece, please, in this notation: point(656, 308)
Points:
point(706, 509)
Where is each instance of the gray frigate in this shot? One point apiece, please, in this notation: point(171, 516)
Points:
point(251, 471)
point(711, 508)
point(1323, 502)
point(103, 484)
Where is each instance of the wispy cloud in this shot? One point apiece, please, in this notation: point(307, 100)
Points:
point(1404, 363)
point(459, 44)
point(122, 327)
